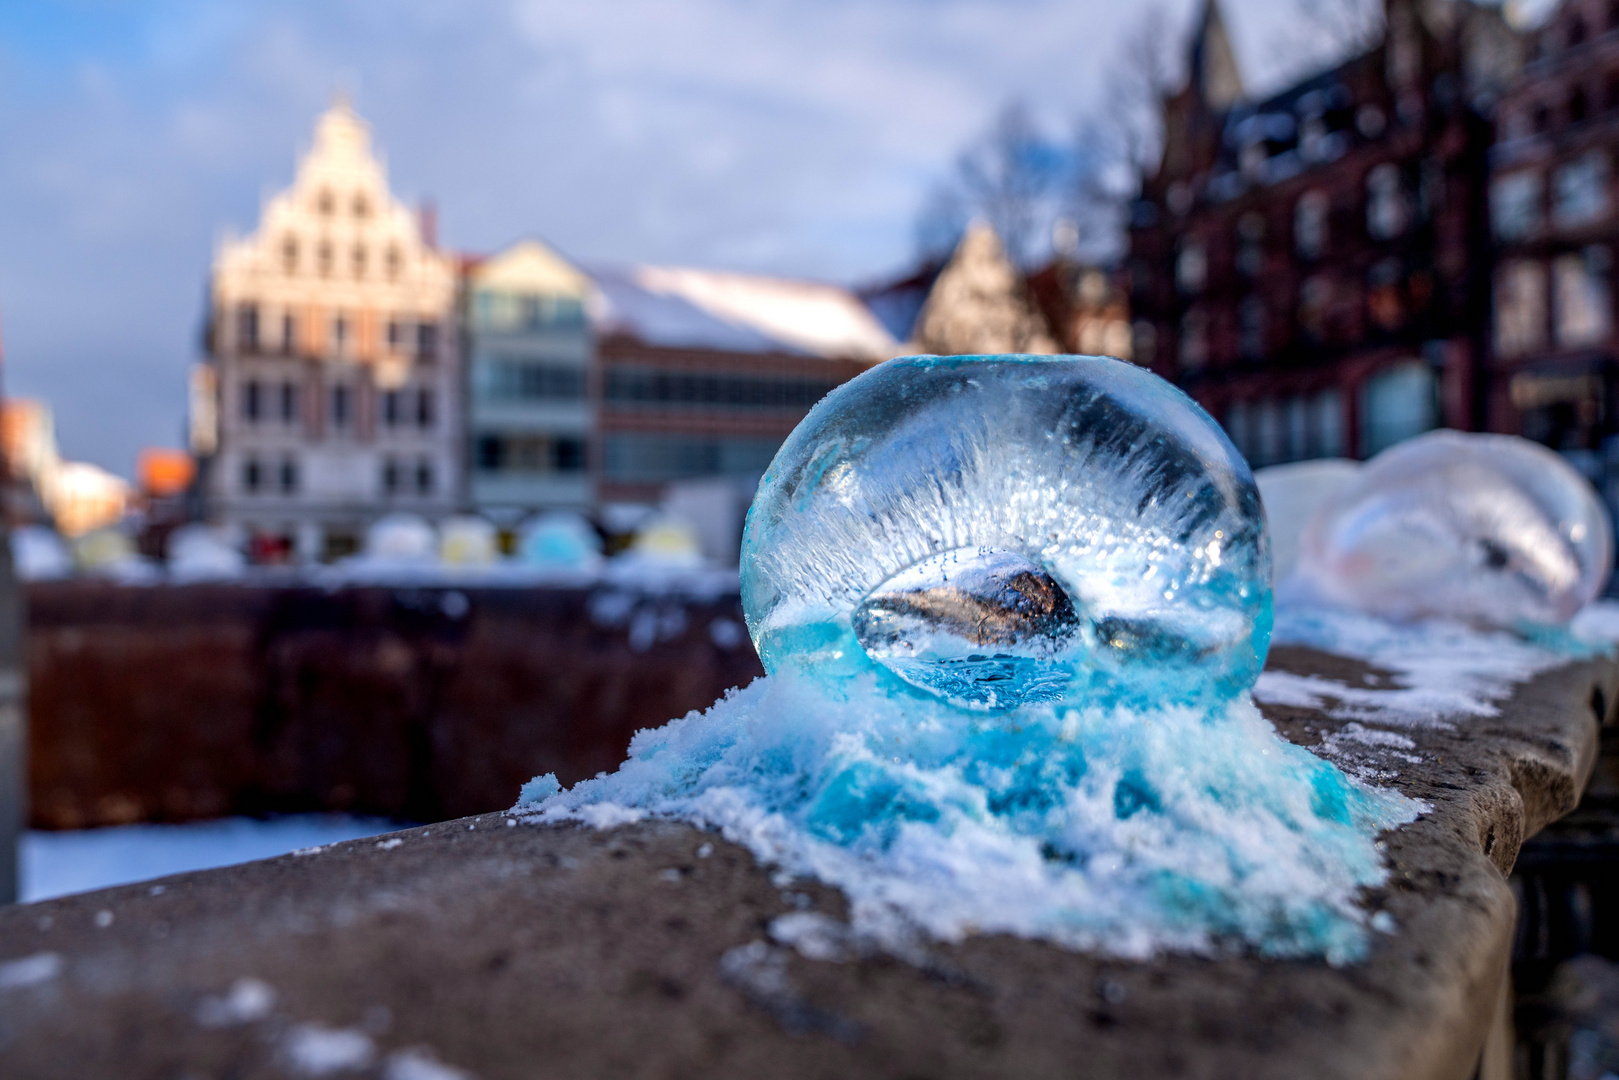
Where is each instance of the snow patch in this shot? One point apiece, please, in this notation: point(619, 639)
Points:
point(314, 1050)
point(1097, 828)
point(28, 971)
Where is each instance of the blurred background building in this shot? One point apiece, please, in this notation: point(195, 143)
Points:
point(529, 351)
point(335, 372)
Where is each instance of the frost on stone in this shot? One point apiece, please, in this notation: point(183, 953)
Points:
point(1011, 609)
point(1491, 530)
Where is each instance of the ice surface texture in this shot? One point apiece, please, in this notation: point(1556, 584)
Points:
point(1011, 607)
point(998, 530)
point(1492, 530)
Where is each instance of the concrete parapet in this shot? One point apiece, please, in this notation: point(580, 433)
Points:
point(514, 950)
point(173, 703)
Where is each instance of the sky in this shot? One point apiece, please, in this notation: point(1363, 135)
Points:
point(792, 137)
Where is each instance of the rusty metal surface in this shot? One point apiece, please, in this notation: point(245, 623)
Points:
point(175, 703)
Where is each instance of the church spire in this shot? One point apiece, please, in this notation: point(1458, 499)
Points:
point(1214, 73)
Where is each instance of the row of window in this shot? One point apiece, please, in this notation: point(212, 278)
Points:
point(530, 454)
point(1395, 403)
point(265, 477)
point(1391, 294)
point(660, 458)
point(512, 312)
point(326, 256)
point(1580, 308)
point(280, 401)
point(514, 380)
point(651, 386)
point(1579, 196)
point(401, 335)
point(1391, 209)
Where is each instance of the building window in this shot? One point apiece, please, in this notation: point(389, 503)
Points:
point(1576, 32)
point(323, 203)
point(1271, 432)
point(1191, 267)
point(424, 477)
point(424, 408)
point(340, 334)
point(1329, 424)
point(396, 335)
point(323, 259)
point(1194, 344)
point(390, 476)
point(340, 406)
point(1251, 243)
point(1576, 106)
point(251, 403)
point(1310, 224)
point(393, 262)
point(289, 334)
point(289, 402)
point(426, 340)
point(289, 476)
point(357, 260)
point(289, 255)
point(1315, 306)
point(1520, 307)
point(1238, 425)
point(1397, 403)
point(1581, 311)
point(1385, 299)
point(362, 206)
point(247, 328)
point(392, 411)
point(252, 475)
point(1542, 119)
point(1388, 209)
point(1580, 189)
point(1515, 204)
point(647, 458)
point(1251, 328)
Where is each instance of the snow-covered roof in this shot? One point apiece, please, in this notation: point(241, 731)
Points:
point(682, 307)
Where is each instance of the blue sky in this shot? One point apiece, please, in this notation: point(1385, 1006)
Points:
point(788, 136)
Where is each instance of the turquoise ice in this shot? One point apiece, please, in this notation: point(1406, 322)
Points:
point(1012, 608)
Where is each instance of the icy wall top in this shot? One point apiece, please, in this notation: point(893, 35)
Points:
point(998, 530)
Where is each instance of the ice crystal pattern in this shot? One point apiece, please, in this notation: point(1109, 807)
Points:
point(1004, 530)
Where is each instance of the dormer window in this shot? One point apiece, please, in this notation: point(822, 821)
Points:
point(289, 255)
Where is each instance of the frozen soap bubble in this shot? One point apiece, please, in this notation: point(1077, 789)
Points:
point(1489, 529)
point(998, 530)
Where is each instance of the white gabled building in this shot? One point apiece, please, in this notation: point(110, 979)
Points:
point(333, 359)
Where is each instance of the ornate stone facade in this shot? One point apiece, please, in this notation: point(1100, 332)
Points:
point(333, 348)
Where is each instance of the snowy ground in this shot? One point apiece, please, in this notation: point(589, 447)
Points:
point(59, 863)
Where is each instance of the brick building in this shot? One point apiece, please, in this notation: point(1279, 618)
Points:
point(1553, 204)
point(1313, 267)
point(703, 374)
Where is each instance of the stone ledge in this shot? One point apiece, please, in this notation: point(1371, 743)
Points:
point(517, 951)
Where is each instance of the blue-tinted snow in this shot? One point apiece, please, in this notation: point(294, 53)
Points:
point(60, 863)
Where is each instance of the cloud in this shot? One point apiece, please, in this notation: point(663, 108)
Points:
point(786, 136)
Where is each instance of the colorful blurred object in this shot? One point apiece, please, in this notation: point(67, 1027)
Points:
point(164, 473)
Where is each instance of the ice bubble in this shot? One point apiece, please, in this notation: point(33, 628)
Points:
point(998, 530)
point(1492, 530)
point(1292, 494)
point(401, 537)
point(39, 554)
point(465, 540)
point(560, 540)
point(200, 552)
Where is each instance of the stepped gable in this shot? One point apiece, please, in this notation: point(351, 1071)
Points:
point(980, 304)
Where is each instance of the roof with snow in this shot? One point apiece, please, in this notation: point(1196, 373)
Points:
point(680, 307)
